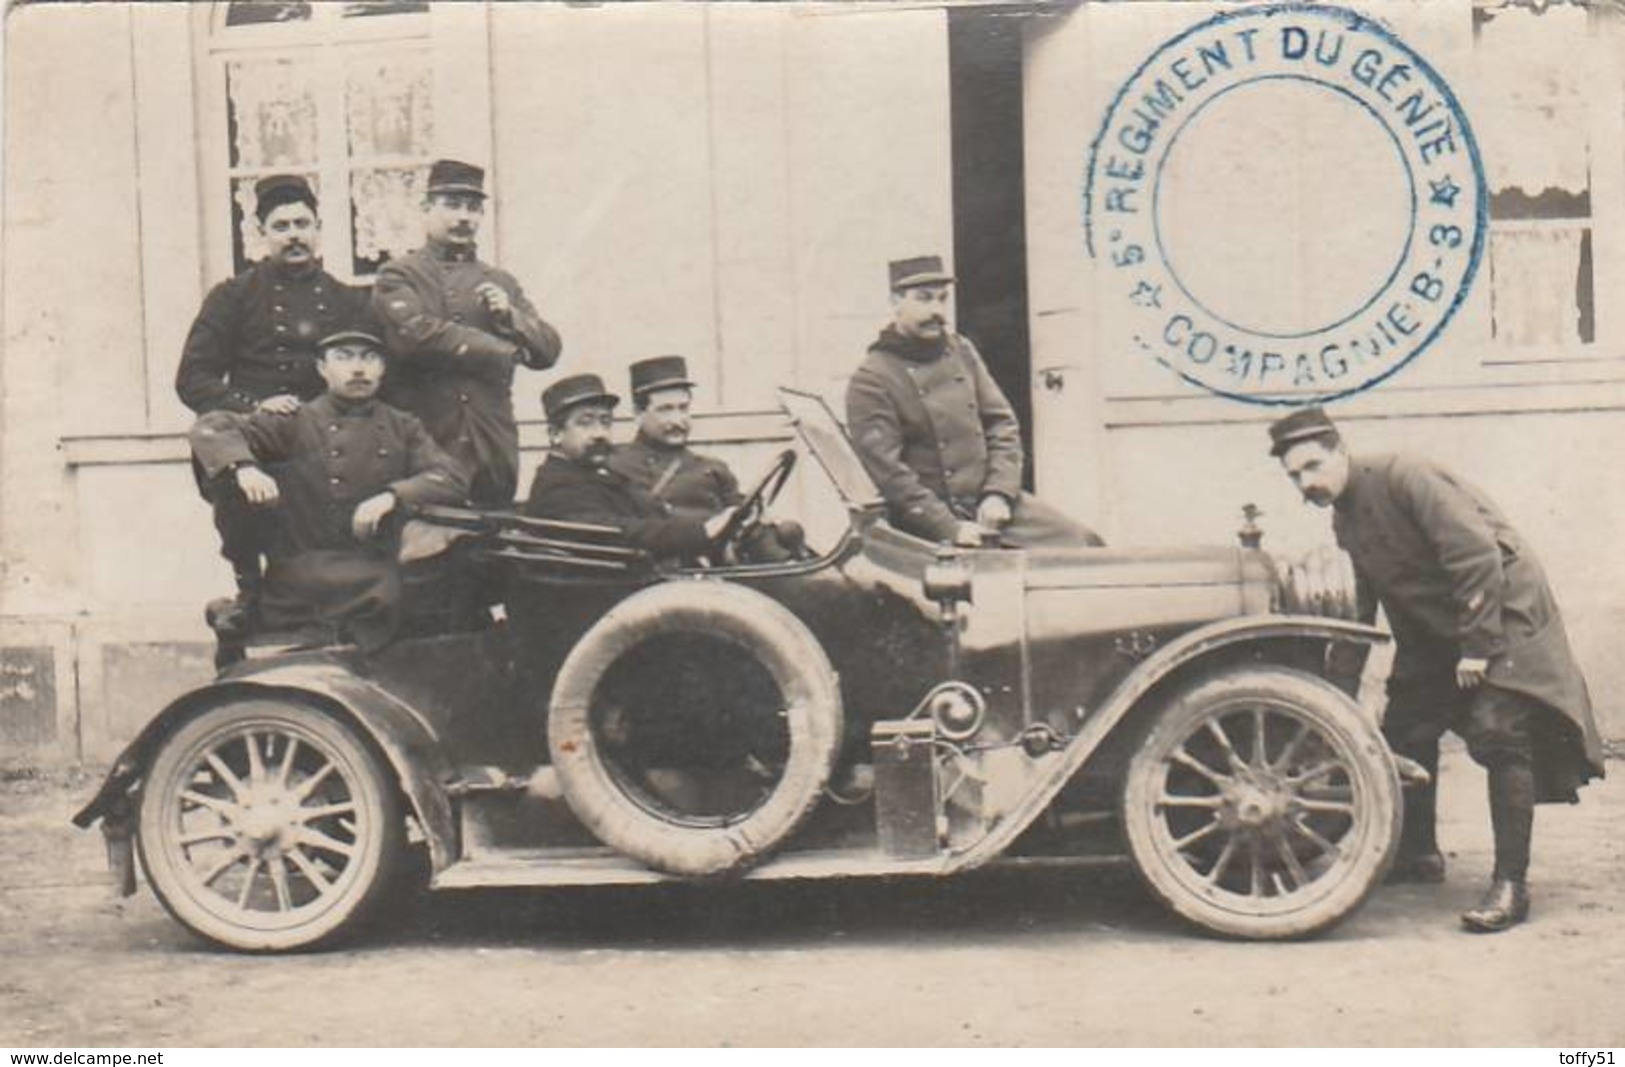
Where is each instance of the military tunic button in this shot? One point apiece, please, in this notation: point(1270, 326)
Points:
point(333, 428)
point(278, 307)
point(383, 451)
point(457, 317)
point(463, 397)
point(334, 480)
point(321, 307)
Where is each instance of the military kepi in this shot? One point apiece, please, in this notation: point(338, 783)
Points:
point(919, 270)
point(573, 391)
point(660, 372)
point(1302, 425)
point(455, 176)
point(350, 337)
point(274, 190)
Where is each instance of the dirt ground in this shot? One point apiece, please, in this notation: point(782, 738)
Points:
point(1004, 958)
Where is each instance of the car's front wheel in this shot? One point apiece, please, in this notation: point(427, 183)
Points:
point(267, 825)
point(1262, 804)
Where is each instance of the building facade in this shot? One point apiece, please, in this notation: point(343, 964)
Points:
point(727, 182)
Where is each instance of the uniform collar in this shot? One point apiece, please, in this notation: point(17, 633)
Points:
point(449, 253)
point(913, 349)
point(337, 405)
point(1359, 476)
point(660, 447)
point(310, 271)
point(555, 456)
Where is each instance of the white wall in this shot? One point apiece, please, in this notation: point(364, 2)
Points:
point(721, 181)
point(1149, 459)
point(725, 182)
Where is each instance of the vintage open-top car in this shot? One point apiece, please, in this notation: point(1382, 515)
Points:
point(882, 707)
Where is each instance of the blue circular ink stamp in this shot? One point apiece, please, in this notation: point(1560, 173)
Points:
point(1288, 204)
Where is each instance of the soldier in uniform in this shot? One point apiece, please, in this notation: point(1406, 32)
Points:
point(575, 483)
point(252, 348)
point(1480, 645)
point(332, 473)
point(936, 433)
point(658, 458)
point(456, 329)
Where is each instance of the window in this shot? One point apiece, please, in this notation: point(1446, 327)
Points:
point(1538, 133)
point(342, 93)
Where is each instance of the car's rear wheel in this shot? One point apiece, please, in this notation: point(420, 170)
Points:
point(695, 726)
point(1262, 804)
point(268, 825)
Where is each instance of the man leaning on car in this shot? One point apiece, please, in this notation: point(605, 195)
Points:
point(1480, 647)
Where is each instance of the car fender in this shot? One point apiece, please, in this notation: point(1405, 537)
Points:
point(404, 737)
point(1100, 724)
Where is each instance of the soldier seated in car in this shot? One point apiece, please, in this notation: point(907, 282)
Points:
point(576, 482)
point(694, 485)
point(332, 475)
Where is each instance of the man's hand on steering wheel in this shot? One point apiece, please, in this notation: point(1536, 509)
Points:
point(730, 527)
point(719, 522)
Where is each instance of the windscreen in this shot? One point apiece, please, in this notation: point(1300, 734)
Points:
point(827, 441)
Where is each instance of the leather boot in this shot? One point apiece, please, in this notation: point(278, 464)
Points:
point(1419, 858)
point(1503, 907)
point(1423, 868)
point(1512, 817)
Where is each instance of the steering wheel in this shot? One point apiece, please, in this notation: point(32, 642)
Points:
point(748, 516)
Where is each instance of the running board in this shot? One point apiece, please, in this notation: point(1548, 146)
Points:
point(603, 866)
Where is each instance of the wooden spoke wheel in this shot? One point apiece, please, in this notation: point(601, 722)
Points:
point(1262, 804)
point(268, 826)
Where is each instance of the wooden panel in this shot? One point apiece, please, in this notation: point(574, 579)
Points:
point(755, 258)
point(73, 263)
point(871, 173)
point(602, 134)
point(167, 168)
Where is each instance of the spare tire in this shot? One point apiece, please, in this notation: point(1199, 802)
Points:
point(695, 726)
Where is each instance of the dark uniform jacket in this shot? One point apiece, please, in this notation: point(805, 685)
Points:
point(453, 365)
point(695, 486)
point(1455, 579)
point(934, 430)
point(255, 337)
point(573, 491)
point(328, 457)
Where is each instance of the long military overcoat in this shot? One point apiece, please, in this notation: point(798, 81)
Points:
point(694, 485)
point(255, 337)
point(452, 363)
point(935, 432)
point(1455, 579)
point(328, 457)
point(574, 491)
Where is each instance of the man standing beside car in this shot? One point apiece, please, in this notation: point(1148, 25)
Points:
point(331, 474)
point(252, 348)
point(1480, 645)
point(937, 434)
point(456, 329)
